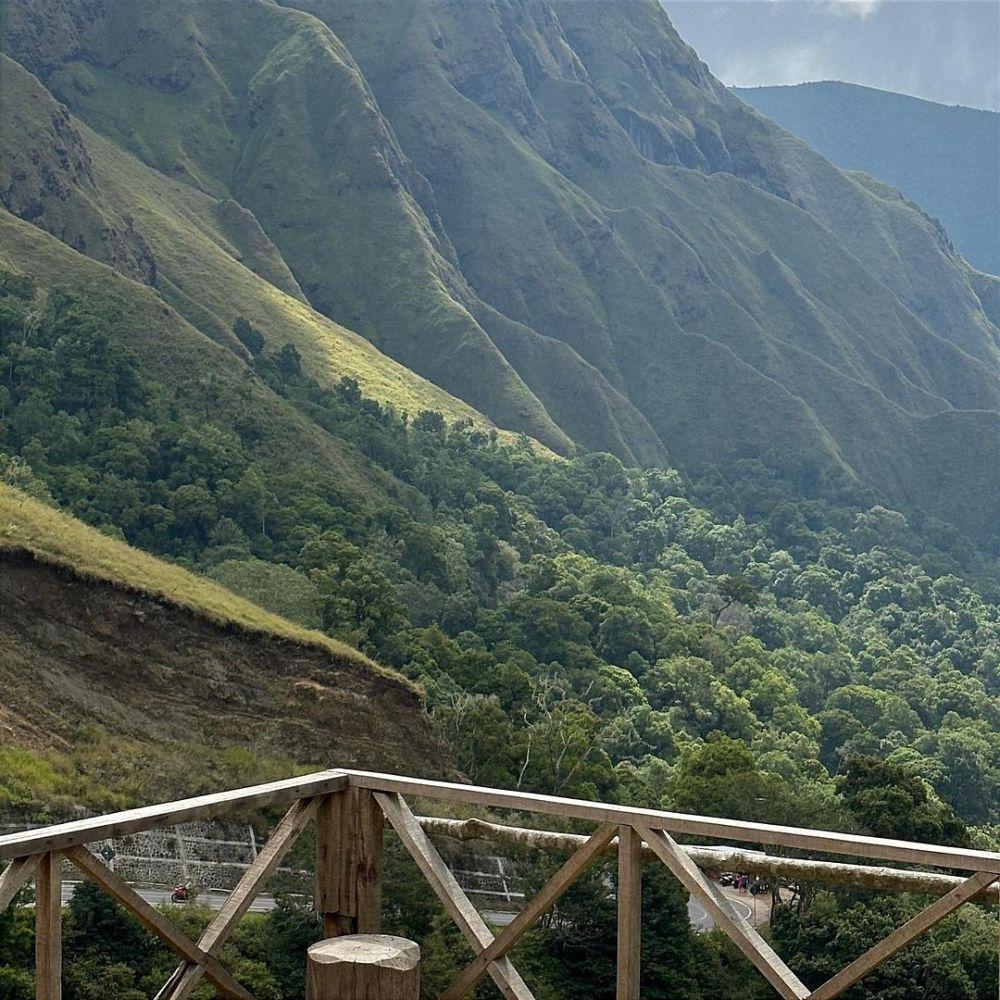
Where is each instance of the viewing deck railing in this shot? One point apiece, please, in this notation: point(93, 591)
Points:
point(350, 808)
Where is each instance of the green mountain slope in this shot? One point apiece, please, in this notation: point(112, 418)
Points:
point(944, 158)
point(207, 258)
point(551, 210)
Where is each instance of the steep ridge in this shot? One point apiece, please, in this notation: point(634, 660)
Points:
point(556, 213)
point(268, 108)
point(942, 157)
point(170, 350)
point(95, 633)
point(724, 309)
point(207, 258)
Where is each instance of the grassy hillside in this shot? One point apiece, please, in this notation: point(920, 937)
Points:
point(554, 212)
point(208, 258)
point(554, 221)
point(26, 525)
point(943, 158)
point(128, 679)
point(263, 151)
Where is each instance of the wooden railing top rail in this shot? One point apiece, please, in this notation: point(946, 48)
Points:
point(65, 835)
point(707, 826)
point(86, 831)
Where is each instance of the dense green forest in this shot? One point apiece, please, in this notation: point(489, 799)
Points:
point(723, 644)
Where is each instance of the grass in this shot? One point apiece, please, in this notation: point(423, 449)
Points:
point(207, 257)
point(172, 156)
point(26, 525)
point(515, 241)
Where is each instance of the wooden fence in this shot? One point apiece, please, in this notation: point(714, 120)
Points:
point(350, 809)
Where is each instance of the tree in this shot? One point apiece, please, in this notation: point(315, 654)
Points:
point(479, 735)
point(722, 778)
point(98, 929)
point(957, 960)
point(890, 802)
point(733, 590)
point(251, 339)
point(289, 362)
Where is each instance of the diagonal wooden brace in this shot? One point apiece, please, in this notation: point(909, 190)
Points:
point(186, 977)
point(525, 920)
point(902, 936)
point(745, 937)
point(447, 889)
point(16, 875)
point(154, 921)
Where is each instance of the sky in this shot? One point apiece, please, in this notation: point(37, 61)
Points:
point(942, 50)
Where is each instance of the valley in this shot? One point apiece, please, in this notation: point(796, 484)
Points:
point(484, 392)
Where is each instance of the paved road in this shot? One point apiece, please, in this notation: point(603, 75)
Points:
point(701, 921)
point(156, 896)
point(699, 917)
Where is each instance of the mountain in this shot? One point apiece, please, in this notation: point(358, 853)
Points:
point(550, 210)
point(341, 307)
point(98, 636)
point(943, 158)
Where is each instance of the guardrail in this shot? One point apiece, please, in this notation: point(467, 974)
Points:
point(350, 809)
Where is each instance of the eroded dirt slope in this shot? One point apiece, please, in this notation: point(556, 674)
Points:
point(76, 651)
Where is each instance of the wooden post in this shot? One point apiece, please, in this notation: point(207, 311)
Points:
point(349, 863)
point(629, 912)
point(373, 966)
point(48, 927)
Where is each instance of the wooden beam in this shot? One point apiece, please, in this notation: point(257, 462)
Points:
point(224, 923)
point(729, 859)
point(349, 863)
point(901, 937)
point(718, 829)
point(17, 874)
point(544, 900)
point(629, 913)
point(447, 889)
point(154, 921)
point(745, 937)
point(48, 927)
point(119, 824)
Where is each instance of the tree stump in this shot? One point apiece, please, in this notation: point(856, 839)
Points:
point(363, 967)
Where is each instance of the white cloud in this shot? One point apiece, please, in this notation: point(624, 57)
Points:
point(862, 9)
point(792, 62)
point(940, 50)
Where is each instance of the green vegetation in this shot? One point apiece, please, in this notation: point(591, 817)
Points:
point(365, 162)
point(27, 524)
point(586, 621)
point(912, 144)
point(579, 627)
point(558, 215)
point(108, 772)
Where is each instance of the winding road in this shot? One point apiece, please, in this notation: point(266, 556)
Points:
point(701, 921)
point(157, 895)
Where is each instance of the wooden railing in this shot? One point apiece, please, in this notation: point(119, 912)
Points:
point(350, 809)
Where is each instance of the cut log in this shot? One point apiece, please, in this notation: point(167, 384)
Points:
point(369, 966)
point(832, 873)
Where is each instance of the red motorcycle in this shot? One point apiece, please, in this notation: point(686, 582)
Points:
point(180, 894)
